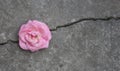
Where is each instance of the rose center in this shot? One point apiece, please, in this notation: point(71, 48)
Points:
point(33, 37)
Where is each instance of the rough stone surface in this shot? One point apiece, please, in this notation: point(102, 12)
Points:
point(85, 46)
point(14, 13)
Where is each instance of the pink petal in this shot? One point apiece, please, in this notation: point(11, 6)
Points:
point(41, 45)
point(32, 48)
point(43, 28)
point(22, 45)
point(22, 36)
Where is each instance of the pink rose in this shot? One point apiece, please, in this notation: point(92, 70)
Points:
point(34, 35)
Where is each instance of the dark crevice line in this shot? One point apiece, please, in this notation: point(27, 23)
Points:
point(8, 41)
point(84, 19)
point(70, 24)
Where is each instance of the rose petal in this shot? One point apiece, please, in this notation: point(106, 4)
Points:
point(23, 45)
point(43, 28)
point(22, 36)
point(28, 39)
point(27, 27)
point(41, 45)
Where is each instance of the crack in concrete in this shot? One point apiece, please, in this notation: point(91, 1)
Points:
point(8, 41)
point(70, 24)
point(84, 19)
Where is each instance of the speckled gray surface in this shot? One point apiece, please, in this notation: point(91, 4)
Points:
point(88, 45)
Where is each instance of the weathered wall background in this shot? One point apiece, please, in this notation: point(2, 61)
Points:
point(86, 35)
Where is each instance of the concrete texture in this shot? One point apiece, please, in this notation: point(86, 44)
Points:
point(91, 44)
point(13, 13)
